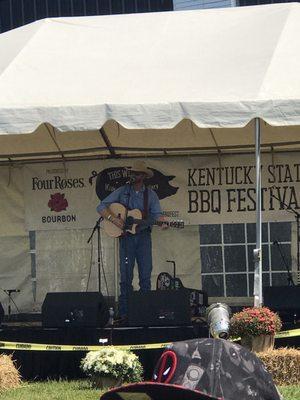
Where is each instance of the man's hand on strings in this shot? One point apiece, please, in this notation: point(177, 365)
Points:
point(118, 222)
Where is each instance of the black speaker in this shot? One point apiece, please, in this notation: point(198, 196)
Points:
point(74, 309)
point(282, 298)
point(158, 308)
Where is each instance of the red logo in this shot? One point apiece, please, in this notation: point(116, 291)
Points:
point(166, 367)
point(58, 202)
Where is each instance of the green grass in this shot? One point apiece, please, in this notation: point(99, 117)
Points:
point(52, 390)
point(290, 392)
point(81, 390)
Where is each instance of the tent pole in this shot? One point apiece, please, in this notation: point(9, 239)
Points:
point(258, 251)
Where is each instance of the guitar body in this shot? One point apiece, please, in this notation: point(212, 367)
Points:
point(136, 221)
point(120, 211)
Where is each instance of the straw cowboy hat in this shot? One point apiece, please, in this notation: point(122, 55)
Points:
point(140, 166)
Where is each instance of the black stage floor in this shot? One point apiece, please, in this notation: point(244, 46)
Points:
point(41, 365)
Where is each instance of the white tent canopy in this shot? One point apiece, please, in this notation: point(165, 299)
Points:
point(157, 83)
point(151, 84)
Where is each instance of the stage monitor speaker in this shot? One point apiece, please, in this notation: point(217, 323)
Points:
point(159, 308)
point(74, 309)
point(282, 298)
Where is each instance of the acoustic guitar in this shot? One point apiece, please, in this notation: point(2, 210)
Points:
point(134, 221)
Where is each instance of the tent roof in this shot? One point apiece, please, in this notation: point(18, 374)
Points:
point(113, 141)
point(154, 82)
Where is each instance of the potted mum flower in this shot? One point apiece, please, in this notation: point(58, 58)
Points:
point(256, 326)
point(111, 367)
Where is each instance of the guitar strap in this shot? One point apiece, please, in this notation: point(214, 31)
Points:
point(146, 202)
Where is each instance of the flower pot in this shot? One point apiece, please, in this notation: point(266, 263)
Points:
point(105, 381)
point(259, 343)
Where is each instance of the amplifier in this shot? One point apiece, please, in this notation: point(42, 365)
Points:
point(159, 308)
point(198, 302)
point(198, 298)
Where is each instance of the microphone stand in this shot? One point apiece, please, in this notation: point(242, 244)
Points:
point(174, 267)
point(10, 300)
point(289, 277)
point(125, 238)
point(286, 207)
point(97, 228)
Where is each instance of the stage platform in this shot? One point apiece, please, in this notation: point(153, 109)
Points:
point(42, 365)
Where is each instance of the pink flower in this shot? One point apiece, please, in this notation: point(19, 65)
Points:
point(255, 321)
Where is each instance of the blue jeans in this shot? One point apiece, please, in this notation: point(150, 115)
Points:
point(136, 248)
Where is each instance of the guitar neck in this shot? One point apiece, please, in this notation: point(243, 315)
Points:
point(159, 223)
point(147, 222)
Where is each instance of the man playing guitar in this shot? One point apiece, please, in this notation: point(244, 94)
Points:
point(137, 247)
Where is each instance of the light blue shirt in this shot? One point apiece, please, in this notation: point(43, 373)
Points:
point(127, 196)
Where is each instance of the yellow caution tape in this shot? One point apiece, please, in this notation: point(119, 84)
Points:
point(291, 333)
point(64, 347)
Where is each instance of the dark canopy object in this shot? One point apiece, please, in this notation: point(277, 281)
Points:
point(203, 369)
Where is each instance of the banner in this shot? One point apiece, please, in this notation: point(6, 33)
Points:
point(196, 190)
